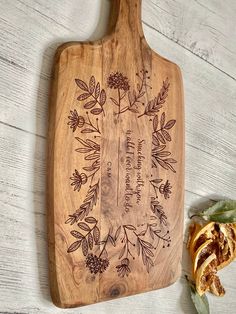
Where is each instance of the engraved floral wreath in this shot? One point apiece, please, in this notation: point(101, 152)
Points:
point(133, 238)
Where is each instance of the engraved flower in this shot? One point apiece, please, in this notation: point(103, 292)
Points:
point(165, 189)
point(96, 264)
point(157, 209)
point(123, 269)
point(118, 81)
point(75, 120)
point(78, 179)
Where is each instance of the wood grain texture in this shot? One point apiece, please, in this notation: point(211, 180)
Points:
point(116, 161)
point(30, 31)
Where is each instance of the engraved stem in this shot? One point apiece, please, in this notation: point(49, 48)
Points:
point(127, 242)
point(105, 244)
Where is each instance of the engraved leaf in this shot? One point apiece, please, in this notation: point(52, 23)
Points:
point(92, 144)
point(122, 252)
point(159, 148)
point(160, 137)
point(90, 220)
point(126, 107)
point(155, 141)
point(89, 201)
point(147, 244)
point(149, 252)
point(89, 168)
point(155, 123)
point(163, 154)
point(133, 110)
point(171, 160)
point(157, 181)
point(166, 135)
point(76, 234)
point(153, 217)
point(81, 84)
point(96, 234)
point(74, 246)
point(97, 90)
point(114, 101)
point(130, 227)
point(154, 165)
point(112, 241)
point(87, 131)
point(154, 225)
point(163, 164)
point(82, 142)
point(142, 233)
point(96, 111)
point(92, 156)
point(92, 84)
point(166, 165)
point(151, 261)
point(102, 97)
point(117, 233)
point(151, 233)
point(170, 124)
point(141, 94)
point(96, 164)
point(155, 104)
point(90, 241)
point(83, 150)
point(83, 226)
point(71, 220)
point(83, 96)
point(90, 104)
point(85, 247)
point(163, 117)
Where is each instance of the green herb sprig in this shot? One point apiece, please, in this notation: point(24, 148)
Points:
point(222, 212)
point(200, 302)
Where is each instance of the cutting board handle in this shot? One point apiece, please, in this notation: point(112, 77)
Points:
point(126, 18)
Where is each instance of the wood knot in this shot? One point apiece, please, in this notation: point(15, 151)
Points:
point(117, 290)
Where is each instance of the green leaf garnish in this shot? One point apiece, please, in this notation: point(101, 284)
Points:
point(200, 302)
point(222, 211)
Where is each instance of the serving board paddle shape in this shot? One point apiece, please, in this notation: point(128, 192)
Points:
point(116, 166)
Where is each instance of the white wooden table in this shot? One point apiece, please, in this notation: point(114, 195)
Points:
point(196, 34)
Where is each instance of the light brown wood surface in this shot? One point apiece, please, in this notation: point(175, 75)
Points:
point(116, 166)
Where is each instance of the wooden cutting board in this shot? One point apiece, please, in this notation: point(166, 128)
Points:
point(116, 166)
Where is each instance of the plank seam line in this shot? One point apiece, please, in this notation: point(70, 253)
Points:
point(12, 63)
point(40, 74)
point(184, 47)
point(46, 16)
point(207, 198)
point(20, 129)
point(212, 155)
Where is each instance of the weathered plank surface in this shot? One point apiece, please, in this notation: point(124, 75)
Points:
point(30, 31)
point(203, 28)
